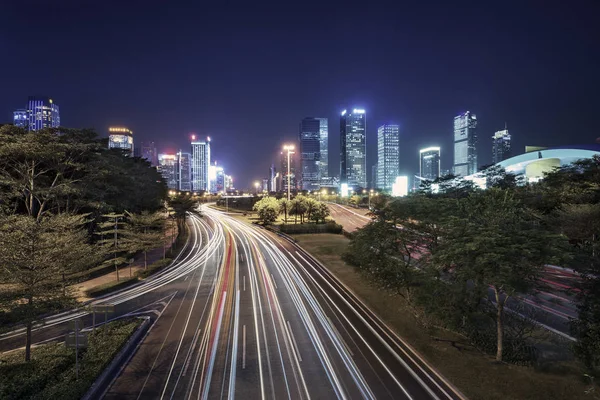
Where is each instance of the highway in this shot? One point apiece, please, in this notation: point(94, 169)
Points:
point(259, 318)
point(552, 307)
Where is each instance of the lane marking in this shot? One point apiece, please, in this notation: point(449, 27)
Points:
point(244, 347)
point(273, 280)
point(294, 341)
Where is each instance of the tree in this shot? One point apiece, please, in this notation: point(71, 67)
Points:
point(113, 233)
point(494, 241)
point(32, 259)
point(267, 209)
point(298, 208)
point(182, 205)
point(320, 213)
point(284, 206)
point(311, 207)
point(147, 232)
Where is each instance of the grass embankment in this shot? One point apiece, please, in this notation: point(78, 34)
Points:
point(51, 372)
point(474, 373)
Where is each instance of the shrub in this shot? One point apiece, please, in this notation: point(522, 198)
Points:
point(294, 229)
point(154, 267)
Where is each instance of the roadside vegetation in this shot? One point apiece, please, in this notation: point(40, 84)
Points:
point(51, 372)
point(69, 209)
point(443, 252)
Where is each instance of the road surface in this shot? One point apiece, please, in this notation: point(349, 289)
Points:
point(259, 318)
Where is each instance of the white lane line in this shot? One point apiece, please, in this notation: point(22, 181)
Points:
point(294, 341)
point(244, 278)
point(244, 347)
point(273, 280)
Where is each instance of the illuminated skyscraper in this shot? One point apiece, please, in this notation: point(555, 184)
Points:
point(324, 147)
point(465, 142)
point(120, 137)
point(429, 165)
point(167, 166)
point(200, 164)
point(41, 113)
point(184, 171)
point(388, 155)
point(310, 153)
point(284, 169)
point(501, 146)
point(353, 148)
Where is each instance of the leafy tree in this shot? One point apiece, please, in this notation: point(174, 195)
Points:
point(320, 213)
point(182, 205)
point(267, 209)
point(147, 232)
point(114, 239)
point(494, 241)
point(32, 263)
point(298, 207)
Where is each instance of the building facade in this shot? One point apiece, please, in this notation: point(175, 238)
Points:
point(167, 166)
point(272, 178)
point(501, 146)
point(465, 144)
point(310, 153)
point(324, 147)
point(353, 148)
point(42, 113)
point(388, 156)
point(20, 118)
point(120, 137)
point(184, 171)
point(200, 164)
point(429, 163)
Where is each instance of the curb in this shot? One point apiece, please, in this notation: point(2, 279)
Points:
point(100, 385)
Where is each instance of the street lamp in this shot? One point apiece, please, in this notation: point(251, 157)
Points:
point(290, 150)
point(370, 194)
point(256, 185)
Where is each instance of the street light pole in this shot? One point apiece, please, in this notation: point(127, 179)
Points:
point(289, 149)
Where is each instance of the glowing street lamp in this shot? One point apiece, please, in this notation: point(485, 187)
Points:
point(256, 185)
point(290, 150)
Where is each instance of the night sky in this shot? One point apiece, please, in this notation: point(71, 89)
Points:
point(246, 73)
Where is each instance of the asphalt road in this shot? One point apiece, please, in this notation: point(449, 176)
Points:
point(259, 318)
point(552, 307)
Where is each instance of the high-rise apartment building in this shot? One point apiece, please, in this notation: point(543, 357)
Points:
point(200, 164)
point(500, 146)
point(41, 113)
point(310, 153)
point(353, 148)
point(148, 151)
point(167, 166)
point(388, 155)
point(272, 178)
point(465, 144)
point(184, 171)
point(120, 137)
point(429, 163)
point(324, 147)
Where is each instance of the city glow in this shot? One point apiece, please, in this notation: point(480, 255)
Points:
point(434, 148)
point(193, 137)
point(344, 190)
point(358, 111)
point(400, 187)
point(288, 147)
point(343, 113)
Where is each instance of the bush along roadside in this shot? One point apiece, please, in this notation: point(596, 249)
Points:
point(294, 229)
point(51, 372)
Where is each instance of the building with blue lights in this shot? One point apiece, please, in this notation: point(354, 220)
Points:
point(41, 113)
point(310, 153)
point(388, 156)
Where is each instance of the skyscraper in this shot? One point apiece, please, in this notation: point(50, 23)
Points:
point(200, 164)
point(310, 153)
point(42, 113)
point(120, 137)
point(388, 155)
point(324, 146)
point(353, 148)
point(284, 170)
point(272, 178)
point(167, 166)
point(184, 171)
point(148, 151)
point(465, 142)
point(501, 146)
point(429, 165)
point(20, 118)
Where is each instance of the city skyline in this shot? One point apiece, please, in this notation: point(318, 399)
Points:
point(423, 82)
